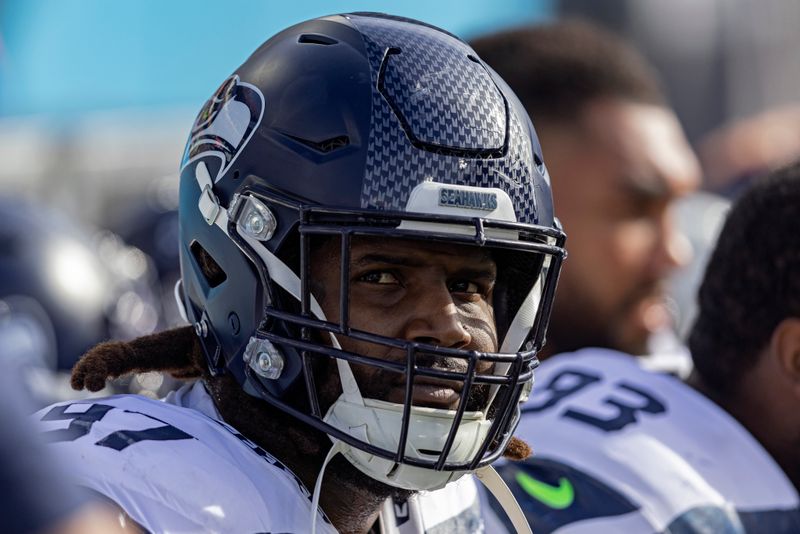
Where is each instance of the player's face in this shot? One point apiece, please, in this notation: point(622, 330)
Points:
point(615, 178)
point(428, 292)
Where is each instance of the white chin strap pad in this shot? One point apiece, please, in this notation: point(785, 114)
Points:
point(378, 423)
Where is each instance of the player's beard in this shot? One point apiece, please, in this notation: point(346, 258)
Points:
point(339, 467)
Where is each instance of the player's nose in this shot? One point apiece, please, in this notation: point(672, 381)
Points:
point(436, 320)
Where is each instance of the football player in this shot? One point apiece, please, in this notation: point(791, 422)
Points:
point(620, 160)
point(368, 258)
point(621, 449)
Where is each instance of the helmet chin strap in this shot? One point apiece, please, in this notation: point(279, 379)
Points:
point(350, 390)
point(337, 448)
point(518, 330)
point(497, 487)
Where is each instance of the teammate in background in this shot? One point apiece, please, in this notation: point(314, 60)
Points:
point(620, 159)
point(745, 149)
point(621, 449)
point(368, 259)
point(62, 292)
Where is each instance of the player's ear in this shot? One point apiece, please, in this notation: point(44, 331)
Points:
point(785, 345)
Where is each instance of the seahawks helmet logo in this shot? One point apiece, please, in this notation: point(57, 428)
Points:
point(225, 125)
point(473, 200)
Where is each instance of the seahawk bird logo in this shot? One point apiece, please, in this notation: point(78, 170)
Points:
point(224, 126)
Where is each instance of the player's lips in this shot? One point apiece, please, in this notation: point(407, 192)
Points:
point(429, 392)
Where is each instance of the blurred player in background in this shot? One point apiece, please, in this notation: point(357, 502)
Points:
point(733, 156)
point(62, 291)
point(736, 153)
point(621, 449)
point(151, 225)
point(619, 160)
point(368, 259)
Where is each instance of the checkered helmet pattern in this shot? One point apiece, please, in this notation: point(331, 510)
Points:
point(437, 114)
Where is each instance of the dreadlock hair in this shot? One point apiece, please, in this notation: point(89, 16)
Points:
point(752, 281)
point(556, 69)
point(175, 351)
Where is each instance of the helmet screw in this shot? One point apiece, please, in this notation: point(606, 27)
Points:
point(201, 328)
point(264, 358)
point(269, 365)
point(256, 219)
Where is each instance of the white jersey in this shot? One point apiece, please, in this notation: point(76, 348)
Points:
point(618, 448)
point(175, 466)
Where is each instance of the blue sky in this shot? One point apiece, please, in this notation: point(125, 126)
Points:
point(66, 57)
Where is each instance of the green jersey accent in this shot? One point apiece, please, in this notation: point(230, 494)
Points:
point(557, 497)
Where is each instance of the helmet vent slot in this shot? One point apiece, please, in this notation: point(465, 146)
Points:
point(211, 270)
point(315, 38)
point(326, 146)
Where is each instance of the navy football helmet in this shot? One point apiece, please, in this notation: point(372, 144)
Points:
point(365, 125)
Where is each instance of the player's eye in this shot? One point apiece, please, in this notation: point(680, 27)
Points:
point(464, 286)
point(379, 277)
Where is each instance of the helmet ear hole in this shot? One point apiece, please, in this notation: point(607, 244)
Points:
point(211, 270)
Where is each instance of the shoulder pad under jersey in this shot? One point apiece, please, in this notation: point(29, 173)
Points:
point(174, 469)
